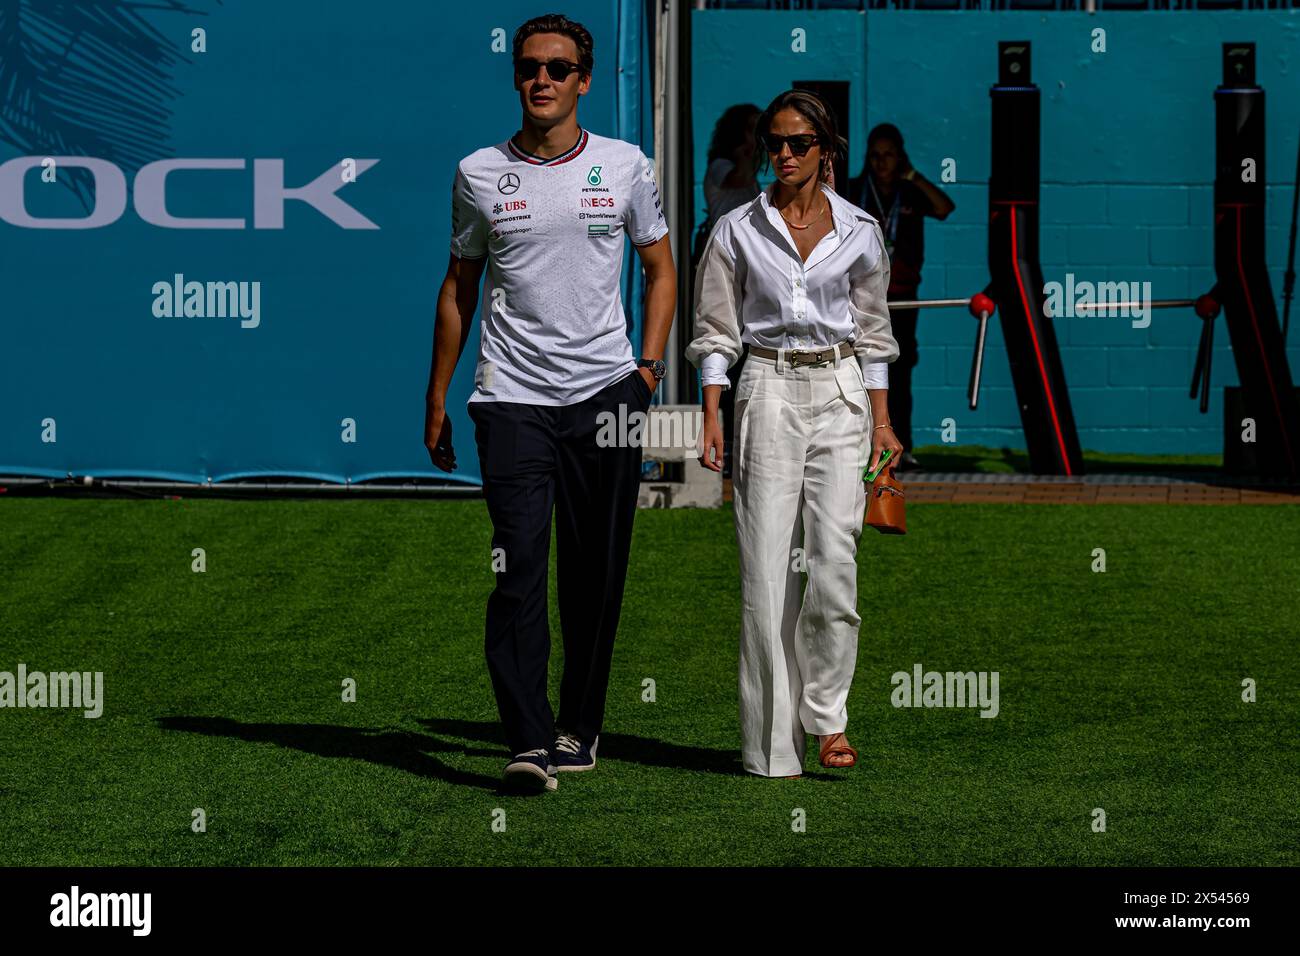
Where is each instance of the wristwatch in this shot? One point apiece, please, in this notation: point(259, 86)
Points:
point(656, 367)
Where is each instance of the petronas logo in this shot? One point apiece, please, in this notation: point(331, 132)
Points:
point(593, 177)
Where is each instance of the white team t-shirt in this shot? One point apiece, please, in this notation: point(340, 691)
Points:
point(554, 331)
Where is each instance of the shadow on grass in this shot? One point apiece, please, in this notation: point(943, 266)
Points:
point(409, 752)
point(626, 747)
point(400, 749)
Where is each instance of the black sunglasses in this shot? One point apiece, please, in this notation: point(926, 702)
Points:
point(558, 70)
point(799, 145)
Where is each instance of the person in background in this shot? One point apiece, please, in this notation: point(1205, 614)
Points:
point(730, 180)
point(899, 197)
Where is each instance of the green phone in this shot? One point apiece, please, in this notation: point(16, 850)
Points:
point(884, 459)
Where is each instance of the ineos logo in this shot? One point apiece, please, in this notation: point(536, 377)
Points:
point(507, 184)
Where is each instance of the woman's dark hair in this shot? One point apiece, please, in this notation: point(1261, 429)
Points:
point(558, 23)
point(731, 129)
point(885, 131)
point(811, 107)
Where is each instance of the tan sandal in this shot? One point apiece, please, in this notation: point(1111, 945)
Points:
point(831, 748)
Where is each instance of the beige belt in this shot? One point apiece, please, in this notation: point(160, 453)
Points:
point(797, 357)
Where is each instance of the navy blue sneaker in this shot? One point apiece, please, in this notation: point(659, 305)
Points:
point(570, 753)
point(530, 772)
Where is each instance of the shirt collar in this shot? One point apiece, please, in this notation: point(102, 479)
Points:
point(564, 157)
point(841, 212)
point(844, 216)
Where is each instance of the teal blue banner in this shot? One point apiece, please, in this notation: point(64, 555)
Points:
point(223, 226)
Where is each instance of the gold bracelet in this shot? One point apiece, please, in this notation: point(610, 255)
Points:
point(886, 425)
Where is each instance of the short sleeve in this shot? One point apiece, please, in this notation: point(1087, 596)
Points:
point(644, 215)
point(468, 231)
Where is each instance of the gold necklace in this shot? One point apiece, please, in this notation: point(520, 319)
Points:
point(794, 225)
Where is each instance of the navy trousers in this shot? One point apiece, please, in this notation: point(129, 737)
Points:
point(535, 460)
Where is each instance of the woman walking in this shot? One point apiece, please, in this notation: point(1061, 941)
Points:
point(799, 276)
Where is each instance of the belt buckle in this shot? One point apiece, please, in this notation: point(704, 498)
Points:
point(813, 357)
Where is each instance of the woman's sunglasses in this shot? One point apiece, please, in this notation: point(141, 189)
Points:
point(557, 70)
point(799, 145)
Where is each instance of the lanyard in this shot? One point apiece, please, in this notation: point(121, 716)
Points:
point(891, 218)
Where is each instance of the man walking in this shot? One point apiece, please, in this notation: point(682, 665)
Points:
point(546, 211)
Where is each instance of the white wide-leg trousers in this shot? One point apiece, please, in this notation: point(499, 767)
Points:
point(802, 439)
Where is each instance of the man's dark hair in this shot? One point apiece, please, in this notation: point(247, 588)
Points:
point(558, 23)
point(812, 108)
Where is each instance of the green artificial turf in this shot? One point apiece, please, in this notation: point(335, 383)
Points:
point(1118, 690)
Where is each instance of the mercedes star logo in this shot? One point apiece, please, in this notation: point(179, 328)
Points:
point(507, 184)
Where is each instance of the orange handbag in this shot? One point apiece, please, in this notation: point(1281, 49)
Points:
point(885, 504)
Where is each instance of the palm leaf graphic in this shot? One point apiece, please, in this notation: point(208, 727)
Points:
point(88, 78)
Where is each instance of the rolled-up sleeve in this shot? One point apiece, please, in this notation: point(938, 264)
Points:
point(716, 346)
point(874, 345)
point(875, 374)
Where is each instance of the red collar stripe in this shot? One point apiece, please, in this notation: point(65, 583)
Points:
point(564, 157)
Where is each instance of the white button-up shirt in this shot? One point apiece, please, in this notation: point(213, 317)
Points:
point(753, 288)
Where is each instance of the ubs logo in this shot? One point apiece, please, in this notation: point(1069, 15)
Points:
point(508, 184)
point(516, 204)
